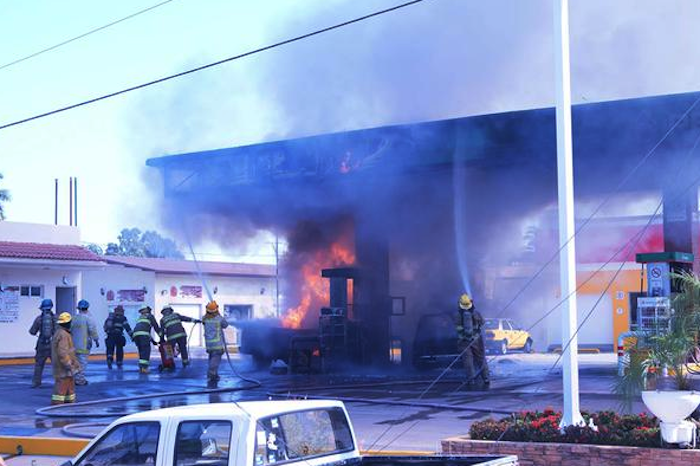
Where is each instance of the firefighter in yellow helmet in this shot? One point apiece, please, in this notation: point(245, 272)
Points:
point(64, 361)
point(469, 324)
point(214, 325)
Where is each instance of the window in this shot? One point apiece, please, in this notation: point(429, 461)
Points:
point(125, 445)
point(506, 325)
point(34, 291)
point(203, 443)
point(491, 324)
point(302, 435)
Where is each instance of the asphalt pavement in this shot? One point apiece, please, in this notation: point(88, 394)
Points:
point(396, 409)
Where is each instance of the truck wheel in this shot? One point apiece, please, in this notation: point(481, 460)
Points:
point(504, 347)
point(528, 346)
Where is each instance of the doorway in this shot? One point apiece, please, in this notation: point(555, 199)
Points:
point(235, 313)
point(66, 299)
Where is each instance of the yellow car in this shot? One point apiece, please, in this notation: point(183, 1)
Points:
point(503, 335)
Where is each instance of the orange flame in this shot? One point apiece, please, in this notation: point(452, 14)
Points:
point(315, 290)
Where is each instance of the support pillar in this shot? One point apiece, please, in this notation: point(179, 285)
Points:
point(372, 304)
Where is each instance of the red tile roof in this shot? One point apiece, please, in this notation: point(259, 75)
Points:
point(177, 266)
point(61, 252)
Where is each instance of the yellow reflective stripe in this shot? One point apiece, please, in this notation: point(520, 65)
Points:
point(58, 398)
point(172, 322)
point(142, 334)
point(176, 336)
point(70, 397)
point(144, 361)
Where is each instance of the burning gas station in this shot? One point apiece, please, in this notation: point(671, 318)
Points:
point(386, 225)
point(472, 277)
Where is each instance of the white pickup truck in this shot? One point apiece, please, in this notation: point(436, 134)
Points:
point(256, 433)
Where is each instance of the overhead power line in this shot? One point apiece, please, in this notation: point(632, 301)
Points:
point(211, 65)
point(85, 34)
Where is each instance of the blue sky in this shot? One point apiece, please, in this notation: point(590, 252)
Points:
point(438, 59)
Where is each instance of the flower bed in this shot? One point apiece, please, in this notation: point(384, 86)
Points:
point(609, 429)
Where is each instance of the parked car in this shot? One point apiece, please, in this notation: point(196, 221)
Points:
point(502, 335)
point(253, 433)
point(435, 342)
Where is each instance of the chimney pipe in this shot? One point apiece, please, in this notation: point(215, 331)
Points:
point(55, 202)
point(75, 199)
point(70, 201)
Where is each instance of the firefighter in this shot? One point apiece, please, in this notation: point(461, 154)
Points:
point(114, 327)
point(214, 326)
point(65, 362)
point(142, 337)
point(172, 329)
point(471, 343)
point(45, 326)
point(84, 332)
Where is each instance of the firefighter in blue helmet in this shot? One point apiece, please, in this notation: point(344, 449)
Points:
point(143, 338)
point(44, 326)
point(84, 333)
point(469, 324)
point(114, 327)
point(214, 325)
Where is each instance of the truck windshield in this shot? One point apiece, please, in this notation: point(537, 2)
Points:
point(301, 435)
point(125, 445)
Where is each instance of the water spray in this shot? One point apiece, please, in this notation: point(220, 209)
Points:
point(210, 296)
point(459, 202)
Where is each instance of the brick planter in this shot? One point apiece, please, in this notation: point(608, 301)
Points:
point(547, 454)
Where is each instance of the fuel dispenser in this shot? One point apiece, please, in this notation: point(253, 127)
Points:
point(653, 311)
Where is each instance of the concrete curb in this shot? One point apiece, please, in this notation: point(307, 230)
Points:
point(41, 446)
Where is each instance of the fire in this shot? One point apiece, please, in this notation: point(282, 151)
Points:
point(315, 290)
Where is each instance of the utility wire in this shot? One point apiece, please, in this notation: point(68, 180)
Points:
point(213, 64)
point(551, 259)
point(600, 206)
point(85, 34)
point(630, 245)
point(692, 184)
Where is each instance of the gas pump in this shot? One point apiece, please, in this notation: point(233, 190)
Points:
point(654, 310)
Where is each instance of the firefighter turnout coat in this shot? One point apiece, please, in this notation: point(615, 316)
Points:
point(213, 328)
point(171, 325)
point(63, 357)
point(84, 332)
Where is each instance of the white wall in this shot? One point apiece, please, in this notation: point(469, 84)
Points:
point(598, 329)
point(95, 285)
point(257, 292)
point(15, 339)
point(39, 233)
point(98, 284)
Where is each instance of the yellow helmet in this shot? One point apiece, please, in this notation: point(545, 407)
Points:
point(212, 307)
point(64, 318)
point(465, 302)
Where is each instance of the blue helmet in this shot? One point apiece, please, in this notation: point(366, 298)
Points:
point(46, 304)
point(83, 304)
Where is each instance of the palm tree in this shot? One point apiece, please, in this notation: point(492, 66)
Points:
point(4, 197)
